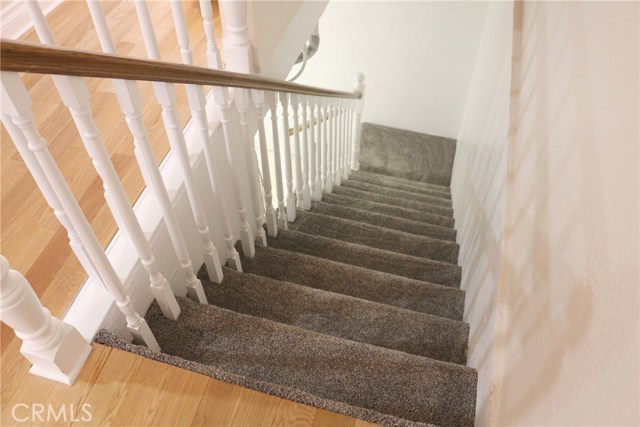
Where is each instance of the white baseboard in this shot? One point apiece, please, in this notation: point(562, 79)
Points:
point(15, 20)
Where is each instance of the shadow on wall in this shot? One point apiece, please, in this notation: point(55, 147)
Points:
point(537, 312)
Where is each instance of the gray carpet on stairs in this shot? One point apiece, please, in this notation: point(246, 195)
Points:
point(385, 209)
point(341, 316)
point(394, 201)
point(363, 256)
point(393, 192)
point(386, 221)
point(375, 237)
point(341, 375)
point(385, 288)
point(397, 182)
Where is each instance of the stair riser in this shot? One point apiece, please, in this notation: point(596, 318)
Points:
point(389, 180)
point(392, 192)
point(394, 223)
point(393, 201)
point(442, 192)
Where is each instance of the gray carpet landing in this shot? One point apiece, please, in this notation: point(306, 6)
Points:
point(354, 309)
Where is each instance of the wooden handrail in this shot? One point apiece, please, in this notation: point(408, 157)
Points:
point(41, 59)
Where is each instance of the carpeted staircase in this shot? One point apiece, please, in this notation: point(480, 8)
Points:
point(355, 309)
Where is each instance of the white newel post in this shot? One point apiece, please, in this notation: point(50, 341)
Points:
point(277, 160)
point(291, 198)
point(295, 105)
point(328, 182)
point(221, 100)
point(197, 104)
point(56, 349)
point(316, 190)
point(17, 102)
point(270, 212)
point(306, 190)
point(358, 87)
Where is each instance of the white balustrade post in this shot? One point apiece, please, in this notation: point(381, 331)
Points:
point(277, 160)
point(166, 96)
point(345, 152)
point(337, 172)
point(213, 53)
point(295, 105)
point(358, 87)
point(270, 212)
point(326, 184)
point(75, 95)
point(242, 104)
point(306, 190)
point(316, 189)
point(221, 100)
point(328, 181)
point(291, 199)
point(197, 104)
point(56, 349)
point(17, 105)
point(47, 191)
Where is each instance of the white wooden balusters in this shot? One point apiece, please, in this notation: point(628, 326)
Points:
point(273, 108)
point(337, 171)
point(291, 198)
point(197, 105)
point(346, 157)
point(221, 100)
point(316, 190)
point(50, 196)
point(295, 105)
point(312, 149)
point(237, 52)
point(324, 112)
point(270, 212)
point(75, 96)
point(358, 87)
point(17, 104)
point(306, 191)
point(242, 104)
point(328, 184)
point(56, 349)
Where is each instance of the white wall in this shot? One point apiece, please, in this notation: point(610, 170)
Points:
point(417, 58)
point(562, 348)
point(478, 189)
point(570, 266)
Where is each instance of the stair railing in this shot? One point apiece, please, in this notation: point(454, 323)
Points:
point(322, 153)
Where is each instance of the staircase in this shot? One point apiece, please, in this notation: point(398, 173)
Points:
point(354, 309)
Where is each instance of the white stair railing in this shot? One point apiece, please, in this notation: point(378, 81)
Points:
point(17, 105)
point(57, 350)
point(325, 138)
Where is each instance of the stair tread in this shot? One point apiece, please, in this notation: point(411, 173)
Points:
point(316, 368)
point(394, 192)
point(393, 201)
point(341, 315)
point(386, 209)
point(386, 221)
point(390, 180)
point(368, 257)
point(375, 236)
point(359, 282)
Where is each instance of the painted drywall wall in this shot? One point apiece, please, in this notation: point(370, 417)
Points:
point(280, 30)
point(551, 241)
point(478, 191)
point(569, 313)
point(417, 58)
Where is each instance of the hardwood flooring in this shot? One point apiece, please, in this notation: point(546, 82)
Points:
point(122, 389)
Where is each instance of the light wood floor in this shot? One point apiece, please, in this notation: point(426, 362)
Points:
point(121, 388)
